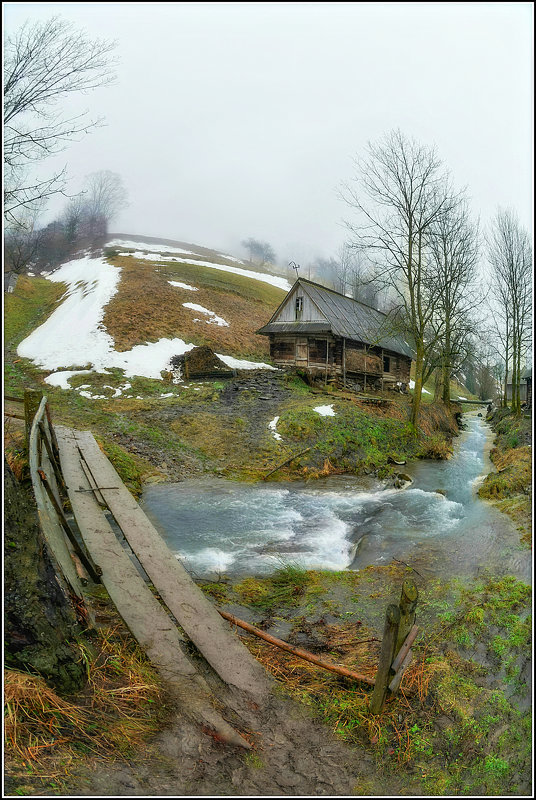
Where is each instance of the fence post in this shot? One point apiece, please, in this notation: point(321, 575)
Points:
point(390, 633)
point(32, 400)
point(407, 606)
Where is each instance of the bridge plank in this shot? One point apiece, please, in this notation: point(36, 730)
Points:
point(200, 620)
point(139, 608)
point(141, 611)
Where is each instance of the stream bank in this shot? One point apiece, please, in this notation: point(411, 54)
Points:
point(462, 728)
point(437, 522)
point(509, 485)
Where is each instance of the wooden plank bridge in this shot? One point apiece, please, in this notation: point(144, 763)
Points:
point(110, 540)
point(68, 461)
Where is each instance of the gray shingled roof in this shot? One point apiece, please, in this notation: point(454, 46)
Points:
point(346, 317)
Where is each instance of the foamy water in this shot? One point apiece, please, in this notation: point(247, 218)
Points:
point(438, 524)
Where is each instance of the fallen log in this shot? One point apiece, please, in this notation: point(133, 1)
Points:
point(286, 462)
point(347, 673)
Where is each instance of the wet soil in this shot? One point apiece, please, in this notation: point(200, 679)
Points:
point(293, 755)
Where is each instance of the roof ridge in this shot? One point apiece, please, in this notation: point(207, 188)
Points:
point(334, 291)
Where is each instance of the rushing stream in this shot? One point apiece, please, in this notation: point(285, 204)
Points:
point(340, 522)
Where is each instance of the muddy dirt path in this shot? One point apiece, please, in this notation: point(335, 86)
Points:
point(293, 755)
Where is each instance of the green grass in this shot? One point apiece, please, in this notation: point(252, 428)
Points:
point(483, 745)
point(28, 307)
point(356, 440)
point(286, 586)
point(25, 309)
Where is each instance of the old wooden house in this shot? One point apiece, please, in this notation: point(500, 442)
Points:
point(337, 338)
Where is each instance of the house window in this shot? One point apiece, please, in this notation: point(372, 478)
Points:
point(386, 364)
point(299, 307)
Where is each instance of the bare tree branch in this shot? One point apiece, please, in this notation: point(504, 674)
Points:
point(44, 64)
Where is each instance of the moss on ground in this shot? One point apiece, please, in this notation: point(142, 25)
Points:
point(459, 726)
point(362, 438)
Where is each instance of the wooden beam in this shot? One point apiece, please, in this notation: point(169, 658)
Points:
point(48, 520)
point(390, 632)
point(287, 462)
point(32, 400)
point(296, 651)
point(395, 683)
point(141, 611)
point(406, 647)
point(407, 605)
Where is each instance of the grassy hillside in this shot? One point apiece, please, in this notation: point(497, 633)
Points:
point(157, 431)
point(33, 300)
point(147, 308)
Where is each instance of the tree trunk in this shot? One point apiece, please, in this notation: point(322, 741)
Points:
point(506, 363)
point(438, 387)
point(415, 406)
point(447, 366)
point(39, 621)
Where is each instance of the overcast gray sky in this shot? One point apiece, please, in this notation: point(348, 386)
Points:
point(231, 120)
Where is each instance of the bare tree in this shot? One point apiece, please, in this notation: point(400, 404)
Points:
point(260, 250)
point(21, 241)
point(454, 254)
point(409, 192)
point(104, 197)
point(325, 270)
point(45, 63)
point(510, 257)
point(72, 218)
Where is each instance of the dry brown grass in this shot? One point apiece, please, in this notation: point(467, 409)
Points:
point(217, 438)
point(147, 309)
point(113, 715)
point(14, 447)
point(345, 704)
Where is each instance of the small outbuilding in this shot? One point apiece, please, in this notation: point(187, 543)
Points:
point(525, 386)
point(337, 338)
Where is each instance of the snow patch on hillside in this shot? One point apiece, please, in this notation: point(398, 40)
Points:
point(184, 286)
point(273, 427)
point(232, 258)
point(325, 411)
point(74, 333)
point(238, 363)
point(161, 248)
point(62, 378)
point(214, 319)
point(423, 391)
point(273, 280)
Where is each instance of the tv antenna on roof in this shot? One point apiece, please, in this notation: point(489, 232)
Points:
point(294, 266)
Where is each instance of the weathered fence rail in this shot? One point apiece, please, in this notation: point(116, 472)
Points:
point(399, 633)
point(43, 471)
